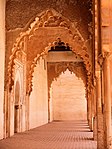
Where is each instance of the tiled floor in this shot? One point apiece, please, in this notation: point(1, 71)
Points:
point(55, 135)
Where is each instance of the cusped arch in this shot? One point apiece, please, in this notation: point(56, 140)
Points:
point(60, 67)
point(27, 41)
point(45, 52)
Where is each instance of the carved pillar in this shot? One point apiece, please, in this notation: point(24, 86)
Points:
point(107, 102)
point(99, 110)
point(2, 62)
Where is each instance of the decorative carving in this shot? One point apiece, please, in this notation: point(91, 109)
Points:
point(20, 55)
point(59, 45)
point(106, 54)
point(53, 19)
point(100, 60)
point(102, 57)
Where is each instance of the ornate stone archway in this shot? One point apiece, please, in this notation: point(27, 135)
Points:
point(40, 37)
point(60, 67)
point(55, 70)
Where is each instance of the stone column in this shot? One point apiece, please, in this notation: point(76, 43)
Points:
point(89, 111)
point(94, 115)
point(92, 105)
point(95, 128)
point(48, 104)
point(107, 101)
point(27, 112)
point(100, 126)
point(2, 62)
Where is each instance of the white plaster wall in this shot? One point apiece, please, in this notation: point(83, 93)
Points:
point(2, 60)
point(39, 97)
point(69, 102)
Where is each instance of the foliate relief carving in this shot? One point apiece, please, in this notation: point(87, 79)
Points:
point(54, 21)
point(50, 20)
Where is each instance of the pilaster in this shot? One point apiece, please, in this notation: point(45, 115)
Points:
point(2, 63)
point(107, 100)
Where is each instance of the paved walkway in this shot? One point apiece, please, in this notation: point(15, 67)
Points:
point(55, 135)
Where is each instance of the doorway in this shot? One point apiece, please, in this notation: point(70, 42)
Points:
point(68, 98)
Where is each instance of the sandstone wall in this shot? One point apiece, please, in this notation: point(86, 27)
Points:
point(20, 13)
point(2, 62)
point(69, 101)
point(39, 97)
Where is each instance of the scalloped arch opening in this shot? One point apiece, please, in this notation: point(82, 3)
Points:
point(41, 28)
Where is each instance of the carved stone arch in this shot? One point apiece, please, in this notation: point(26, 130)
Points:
point(60, 67)
point(45, 52)
point(48, 21)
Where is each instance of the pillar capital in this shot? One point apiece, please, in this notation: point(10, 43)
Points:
point(100, 59)
point(107, 54)
point(104, 56)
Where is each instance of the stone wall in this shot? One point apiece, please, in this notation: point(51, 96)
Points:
point(39, 96)
point(69, 102)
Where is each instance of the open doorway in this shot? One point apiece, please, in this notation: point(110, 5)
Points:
point(68, 98)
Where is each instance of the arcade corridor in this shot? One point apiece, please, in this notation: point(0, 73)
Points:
point(40, 40)
point(55, 135)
